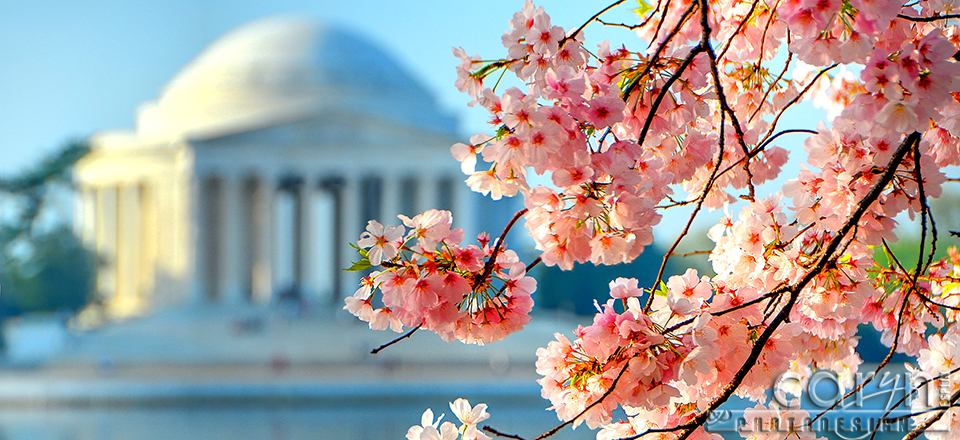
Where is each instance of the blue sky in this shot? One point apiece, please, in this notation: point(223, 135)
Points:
point(71, 68)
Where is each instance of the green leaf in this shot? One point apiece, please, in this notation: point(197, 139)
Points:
point(360, 250)
point(363, 264)
point(642, 8)
point(661, 290)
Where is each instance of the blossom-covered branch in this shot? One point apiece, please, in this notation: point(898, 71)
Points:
point(691, 117)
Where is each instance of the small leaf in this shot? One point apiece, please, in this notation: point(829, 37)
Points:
point(360, 250)
point(363, 264)
point(661, 290)
point(642, 8)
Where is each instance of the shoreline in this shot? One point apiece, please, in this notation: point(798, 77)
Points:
point(180, 385)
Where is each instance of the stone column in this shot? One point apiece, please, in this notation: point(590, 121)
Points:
point(106, 240)
point(127, 299)
point(263, 238)
point(88, 221)
point(230, 243)
point(149, 239)
point(334, 186)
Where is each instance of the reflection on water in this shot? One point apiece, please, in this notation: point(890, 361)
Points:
point(272, 422)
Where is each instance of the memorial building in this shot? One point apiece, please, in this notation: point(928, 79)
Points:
point(260, 161)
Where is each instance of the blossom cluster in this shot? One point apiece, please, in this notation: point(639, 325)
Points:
point(938, 362)
point(692, 120)
point(473, 293)
point(469, 416)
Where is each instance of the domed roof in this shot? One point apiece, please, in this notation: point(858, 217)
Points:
point(284, 68)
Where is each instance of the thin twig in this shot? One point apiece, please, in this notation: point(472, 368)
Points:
point(746, 18)
point(796, 99)
point(700, 48)
point(488, 267)
point(501, 434)
point(627, 91)
point(929, 19)
point(409, 334)
point(725, 107)
point(907, 395)
point(623, 25)
point(580, 29)
point(534, 263)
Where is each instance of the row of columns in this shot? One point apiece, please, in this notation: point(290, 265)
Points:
point(264, 238)
point(119, 222)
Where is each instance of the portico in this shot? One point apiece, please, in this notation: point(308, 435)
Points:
point(246, 180)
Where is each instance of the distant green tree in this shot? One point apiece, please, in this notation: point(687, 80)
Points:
point(57, 274)
point(946, 214)
point(576, 290)
point(42, 267)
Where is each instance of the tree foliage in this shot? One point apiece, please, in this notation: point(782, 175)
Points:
point(43, 267)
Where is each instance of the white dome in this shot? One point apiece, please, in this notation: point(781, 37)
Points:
point(284, 68)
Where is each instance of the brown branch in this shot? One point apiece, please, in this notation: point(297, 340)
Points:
point(924, 214)
point(595, 16)
point(918, 413)
point(928, 19)
point(652, 61)
point(533, 263)
point(488, 267)
point(700, 48)
point(763, 146)
point(623, 25)
point(796, 99)
point(756, 300)
point(900, 313)
point(409, 334)
point(725, 107)
point(663, 19)
point(501, 434)
point(746, 18)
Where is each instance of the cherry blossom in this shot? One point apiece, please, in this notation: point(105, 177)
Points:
point(692, 116)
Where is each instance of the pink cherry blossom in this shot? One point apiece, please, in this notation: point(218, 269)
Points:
point(699, 117)
point(381, 241)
